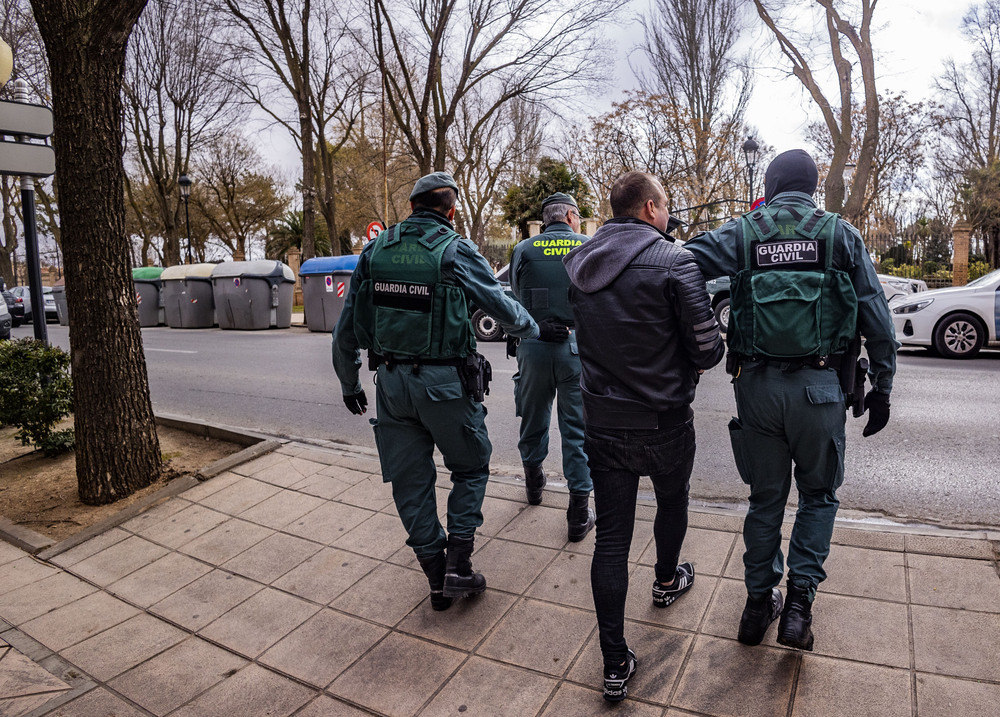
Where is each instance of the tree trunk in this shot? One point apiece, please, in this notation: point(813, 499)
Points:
point(117, 451)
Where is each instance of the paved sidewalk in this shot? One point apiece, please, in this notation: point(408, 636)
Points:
point(283, 587)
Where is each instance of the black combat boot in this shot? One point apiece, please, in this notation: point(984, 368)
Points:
point(758, 616)
point(534, 481)
point(579, 517)
point(459, 579)
point(434, 570)
point(795, 626)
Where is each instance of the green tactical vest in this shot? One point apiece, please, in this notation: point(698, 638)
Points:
point(542, 281)
point(404, 308)
point(788, 301)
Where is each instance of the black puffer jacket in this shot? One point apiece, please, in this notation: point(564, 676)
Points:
point(644, 325)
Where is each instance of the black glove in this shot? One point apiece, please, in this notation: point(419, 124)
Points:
point(877, 405)
point(356, 403)
point(552, 332)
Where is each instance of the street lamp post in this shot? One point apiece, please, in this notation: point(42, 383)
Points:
point(750, 148)
point(184, 182)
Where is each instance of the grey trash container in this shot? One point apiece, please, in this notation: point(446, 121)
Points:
point(187, 296)
point(62, 309)
point(253, 295)
point(325, 283)
point(147, 294)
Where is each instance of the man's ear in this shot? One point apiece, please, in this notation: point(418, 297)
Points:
point(451, 214)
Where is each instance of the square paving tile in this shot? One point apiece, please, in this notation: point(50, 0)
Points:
point(685, 613)
point(974, 654)
point(251, 691)
point(425, 665)
point(328, 522)
point(370, 493)
point(378, 537)
point(97, 703)
point(322, 647)
point(723, 618)
point(24, 571)
point(157, 514)
point(326, 706)
point(159, 579)
point(284, 474)
point(706, 550)
point(119, 560)
point(716, 676)
point(937, 695)
point(565, 581)
point(321, 486)
point(123, 646)
point(271, 558)
point(241, 495)
point(497, 513)
point(325, 575)
point(24, 684)
point(861, 629)
point(831, 688)
point(573, 700)
point(184, 526)
point(8, 553)
point(660, 652)
point(257, 465)
point(933, 582)
point(511, 566)
point(281, 509)
point(866, 573)
point(30, 601)
point(211, 486)
point(464, 624)
point(385, 595)
point(485, 687)
point(94, 545)
point(515, 639)
point(205, 599)
point(227, 540)
point(537, 525)
point(351, 474)
point(78, 620)
point(172, 678)
point(259, 622)
point(954, 547)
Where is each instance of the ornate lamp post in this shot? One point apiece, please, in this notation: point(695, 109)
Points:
point(184, 182)
point(750, 148)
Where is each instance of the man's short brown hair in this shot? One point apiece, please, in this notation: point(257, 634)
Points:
point(631, 191)
point(440, 200)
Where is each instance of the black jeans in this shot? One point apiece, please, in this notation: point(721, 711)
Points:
point(617, 459)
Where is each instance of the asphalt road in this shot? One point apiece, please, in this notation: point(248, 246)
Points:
point(936, 461)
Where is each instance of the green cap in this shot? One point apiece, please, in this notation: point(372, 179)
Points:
point(558, 198)
point(432, 181)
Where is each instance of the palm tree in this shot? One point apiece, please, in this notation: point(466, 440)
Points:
point(287, 233)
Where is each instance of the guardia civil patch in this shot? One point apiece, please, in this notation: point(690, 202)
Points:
point(791, 252)
point(403, 295)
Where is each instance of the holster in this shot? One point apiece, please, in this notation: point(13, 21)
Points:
point(476, 373)
point(512, 343)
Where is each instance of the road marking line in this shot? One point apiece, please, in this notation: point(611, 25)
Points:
point(173, 351)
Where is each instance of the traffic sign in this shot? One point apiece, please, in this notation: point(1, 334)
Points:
point(27, 160)
point(26, 119)
point(373, 230)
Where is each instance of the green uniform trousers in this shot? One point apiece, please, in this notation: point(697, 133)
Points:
point(418, 410)
point(788, 416)
point(546, 371)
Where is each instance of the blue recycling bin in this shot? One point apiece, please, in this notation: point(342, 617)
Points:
point(325, 283)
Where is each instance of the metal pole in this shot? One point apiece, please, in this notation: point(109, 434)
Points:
point(750, 168)
point(31, 260)
point(187, 222)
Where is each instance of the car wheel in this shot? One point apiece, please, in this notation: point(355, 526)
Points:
point(959, 336)
point(722, 315)
point(486, 327)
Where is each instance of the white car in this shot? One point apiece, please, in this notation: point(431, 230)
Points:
point(894, 286)
point(956, 322)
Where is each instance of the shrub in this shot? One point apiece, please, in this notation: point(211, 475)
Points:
point(36, 392)
point(978, 269)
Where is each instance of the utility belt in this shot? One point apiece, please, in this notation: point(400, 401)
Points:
point(835, 361)
point(474, 370)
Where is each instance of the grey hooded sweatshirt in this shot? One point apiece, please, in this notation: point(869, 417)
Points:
point(644, 326)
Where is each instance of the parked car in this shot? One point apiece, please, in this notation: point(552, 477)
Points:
point(23, 293)
point(956, 322)
point(718, 292)
point(894, 286)
point(15, 308)
point(4, 321)
point(484, 326)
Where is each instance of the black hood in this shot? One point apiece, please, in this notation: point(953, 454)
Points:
point(791, 171)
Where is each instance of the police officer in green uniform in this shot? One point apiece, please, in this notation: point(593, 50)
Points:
point(546, 370)
point(803, 286)
point(408, 305)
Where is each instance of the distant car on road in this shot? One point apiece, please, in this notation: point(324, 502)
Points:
point(23, 293)
point(956, 322)
point(15, 309)
point(484, 326)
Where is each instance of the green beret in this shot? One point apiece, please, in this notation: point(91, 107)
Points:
point(558, 198)
point(432, 181)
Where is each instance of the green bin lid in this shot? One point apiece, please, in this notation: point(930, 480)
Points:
point(147, 273)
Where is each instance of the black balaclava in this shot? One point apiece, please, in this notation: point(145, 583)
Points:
point(791, 171)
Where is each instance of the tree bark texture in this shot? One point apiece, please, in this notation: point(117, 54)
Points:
point(117, 450)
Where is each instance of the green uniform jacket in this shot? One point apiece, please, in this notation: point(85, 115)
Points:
point(716, 255)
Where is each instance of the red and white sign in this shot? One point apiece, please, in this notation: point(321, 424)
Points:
point(329, 284)
point(340, 289)
point(138, 298)
point(373, 230)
